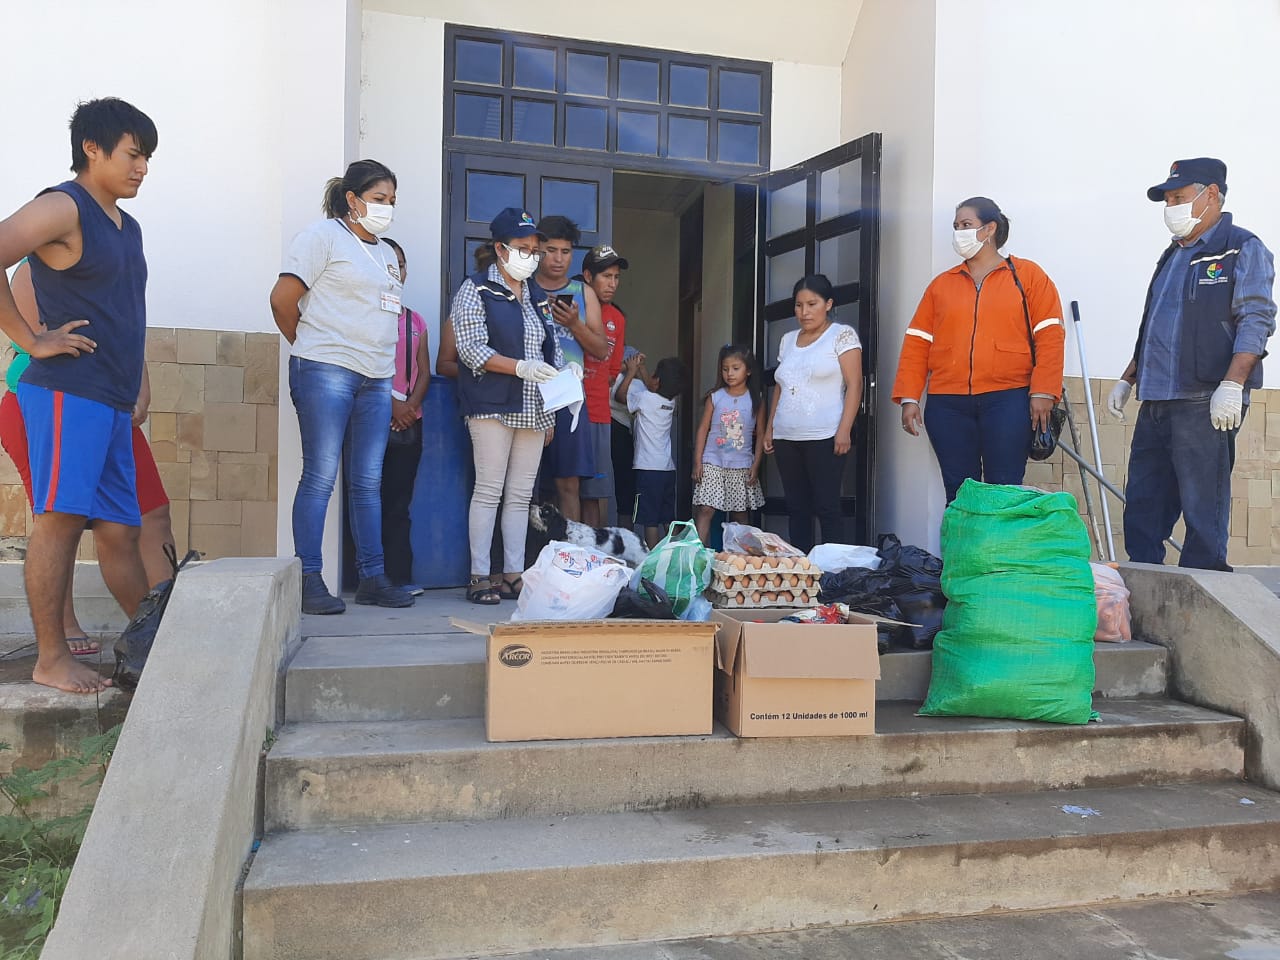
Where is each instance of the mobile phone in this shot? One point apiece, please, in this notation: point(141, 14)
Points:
point(566, 299)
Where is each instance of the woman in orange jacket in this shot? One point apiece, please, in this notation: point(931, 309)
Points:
point(987, 340)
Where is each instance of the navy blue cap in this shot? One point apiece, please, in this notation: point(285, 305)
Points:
point(513, 223)
point(1202, 170)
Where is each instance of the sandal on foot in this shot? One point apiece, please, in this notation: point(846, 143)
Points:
point(92, 650)
point(510, 589)
point(481, 591)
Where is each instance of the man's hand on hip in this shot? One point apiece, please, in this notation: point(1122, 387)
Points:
point(1226, 405)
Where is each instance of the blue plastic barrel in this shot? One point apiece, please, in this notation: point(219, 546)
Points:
point(442, 494)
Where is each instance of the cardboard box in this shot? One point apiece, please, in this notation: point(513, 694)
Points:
point(552, 680)
point(795, 679)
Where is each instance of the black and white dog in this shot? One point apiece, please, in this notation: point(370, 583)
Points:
point(546, 520)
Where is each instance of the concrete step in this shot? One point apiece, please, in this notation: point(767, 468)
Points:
point(439, 890)
point(1246, 927)
point(346, 773)
point(441, 675)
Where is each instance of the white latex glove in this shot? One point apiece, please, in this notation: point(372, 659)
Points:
point(1120, 394)
point(1226, 404)
point(535, 371)
point(576, 368)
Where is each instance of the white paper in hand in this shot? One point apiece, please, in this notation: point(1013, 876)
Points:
point(564, 391)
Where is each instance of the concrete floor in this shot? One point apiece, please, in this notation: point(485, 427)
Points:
point(431, 614)
point(1233, 928)
point(1270, 576)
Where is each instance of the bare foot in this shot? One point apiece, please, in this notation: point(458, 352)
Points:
point(63, 673)
point(82, 646)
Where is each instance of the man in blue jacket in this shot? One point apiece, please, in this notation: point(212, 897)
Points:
point(1208, 315)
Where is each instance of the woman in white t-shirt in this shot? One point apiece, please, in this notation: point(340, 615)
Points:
point(817, 390)
point(337, 302)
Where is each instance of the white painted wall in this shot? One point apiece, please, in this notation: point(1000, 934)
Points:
point(806, 112)
point(208, 75)
point(888, 86)
point(402, 124)
point(1065, 119)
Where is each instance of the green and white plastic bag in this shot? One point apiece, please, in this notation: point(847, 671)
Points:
point(1017, 633)
point(680, 565)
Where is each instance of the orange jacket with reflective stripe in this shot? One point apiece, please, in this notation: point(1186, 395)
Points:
point(966, 340)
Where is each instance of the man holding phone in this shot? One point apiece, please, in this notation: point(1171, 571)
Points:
point(570, 456)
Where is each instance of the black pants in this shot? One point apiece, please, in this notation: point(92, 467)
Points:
point(399, 472)
point(622, 447)
point(812, 475)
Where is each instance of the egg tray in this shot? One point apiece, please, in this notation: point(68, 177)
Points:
point(737, 565)
point(749, 583)
point(781, 598)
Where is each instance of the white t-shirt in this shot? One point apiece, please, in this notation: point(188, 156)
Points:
point(652, 416)
point(811, 401)
point(343, 322)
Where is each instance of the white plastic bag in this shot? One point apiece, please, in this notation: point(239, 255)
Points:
point(834, 557)
point(744, 538)
point(1113, 604)
point(568, 582)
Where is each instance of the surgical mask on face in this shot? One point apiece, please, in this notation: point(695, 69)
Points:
point(520, 265)
point(966, 243)
point(1178, 217)
point(377, 217)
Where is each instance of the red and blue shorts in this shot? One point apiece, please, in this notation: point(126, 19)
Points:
point(81, 456)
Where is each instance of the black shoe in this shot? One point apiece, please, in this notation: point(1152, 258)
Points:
point(316, 597)
point(379, 591)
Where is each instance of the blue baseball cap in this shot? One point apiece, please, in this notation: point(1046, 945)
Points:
point(1203, 170)
point(513, 223)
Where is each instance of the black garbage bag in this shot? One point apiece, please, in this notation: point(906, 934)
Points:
point(907, 586)
point(134, 645)
point(652, 604)
point(915, 577)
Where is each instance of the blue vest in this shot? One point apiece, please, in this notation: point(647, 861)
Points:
point(1208, 326)
point(107, 286)
point(504, 317)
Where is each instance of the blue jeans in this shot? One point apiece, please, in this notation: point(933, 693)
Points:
point(983, 436)
point(1179, 464)
point(339, 409)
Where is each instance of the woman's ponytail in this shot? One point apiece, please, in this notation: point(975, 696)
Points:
point(335, 199)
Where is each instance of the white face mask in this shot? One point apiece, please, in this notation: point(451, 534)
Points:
point(1178, 217)
point(966, 243)
point(377, 217)
point(520, 266)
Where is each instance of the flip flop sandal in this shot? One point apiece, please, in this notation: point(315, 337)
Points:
point(510, 589)
point(93, 650)
point(481, 591)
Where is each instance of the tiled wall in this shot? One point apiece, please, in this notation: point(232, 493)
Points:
point(1255, 483)
point(214, 408)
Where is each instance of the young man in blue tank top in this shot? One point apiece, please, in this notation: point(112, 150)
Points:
point(569, 456)
point(78, 394)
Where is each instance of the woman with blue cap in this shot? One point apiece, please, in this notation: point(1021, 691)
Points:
point(506, 346)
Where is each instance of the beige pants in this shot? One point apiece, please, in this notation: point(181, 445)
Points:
point(506, 469)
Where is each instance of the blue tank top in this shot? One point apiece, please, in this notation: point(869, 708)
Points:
point(569, 346)
point(731, 440)
point(107, 287)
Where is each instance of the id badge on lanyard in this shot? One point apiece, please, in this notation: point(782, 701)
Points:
point(389, 300)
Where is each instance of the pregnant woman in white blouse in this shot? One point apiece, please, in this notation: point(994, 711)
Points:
point(815, 399)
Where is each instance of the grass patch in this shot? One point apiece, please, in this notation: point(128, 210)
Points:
point(37, 853)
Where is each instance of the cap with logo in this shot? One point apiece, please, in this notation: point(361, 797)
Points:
point(513, 223)
point(602, 258)
point(1202, 170)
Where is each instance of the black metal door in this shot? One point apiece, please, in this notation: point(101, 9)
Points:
point(823, 216)
point(480, 186)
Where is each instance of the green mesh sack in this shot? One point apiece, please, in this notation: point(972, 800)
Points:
point(1017, 632)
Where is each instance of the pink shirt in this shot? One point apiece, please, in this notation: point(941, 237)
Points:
point(405, 378)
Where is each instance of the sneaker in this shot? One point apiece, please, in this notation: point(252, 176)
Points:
point(379, 591)
point(317, 599)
